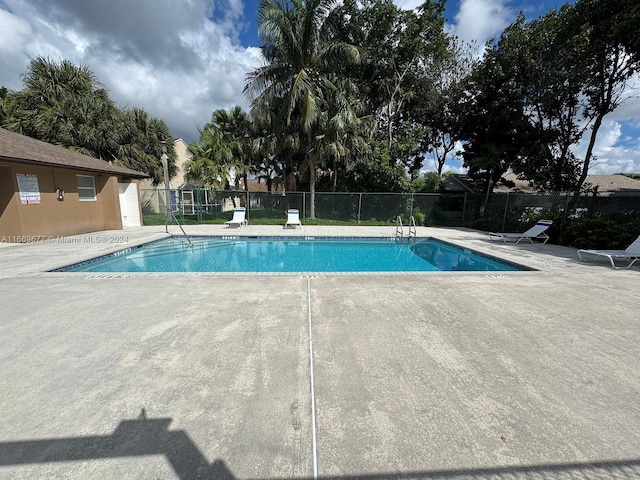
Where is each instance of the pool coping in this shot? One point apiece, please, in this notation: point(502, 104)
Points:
point(42, 257)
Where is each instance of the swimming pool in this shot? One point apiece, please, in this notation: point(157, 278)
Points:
point(293, 255)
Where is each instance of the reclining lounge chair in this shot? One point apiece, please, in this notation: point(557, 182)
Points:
point(239, 218)
point(537, 232)
point(293, 218)
point(630, 255)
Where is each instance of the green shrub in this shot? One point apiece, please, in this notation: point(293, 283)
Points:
point(601, 232)
point(437, 217)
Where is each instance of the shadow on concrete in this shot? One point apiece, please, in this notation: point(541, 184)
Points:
point(152, 437)
point(131, 438)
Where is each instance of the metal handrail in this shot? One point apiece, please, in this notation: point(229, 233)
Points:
point(412, 227)
point(168, 209)
point(399, 228)
point(183, 232)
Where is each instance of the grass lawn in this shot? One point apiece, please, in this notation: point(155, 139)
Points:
point(257, 217)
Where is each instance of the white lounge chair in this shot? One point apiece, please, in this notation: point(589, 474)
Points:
point(239, 218)
point(537, 232)
point(293, 218)
point(630, 255)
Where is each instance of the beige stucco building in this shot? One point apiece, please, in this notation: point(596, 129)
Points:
point(48, 191)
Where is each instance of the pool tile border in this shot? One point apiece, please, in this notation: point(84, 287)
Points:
point(519, 267)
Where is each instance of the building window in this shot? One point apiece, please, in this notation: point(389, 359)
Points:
point(86, 188)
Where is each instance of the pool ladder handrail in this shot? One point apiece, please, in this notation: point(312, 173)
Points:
point(400, 227)
point(167, 209)
point(412, 227)
point(399, 230)
point(183, 232)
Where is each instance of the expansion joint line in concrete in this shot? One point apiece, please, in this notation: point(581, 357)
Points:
point(313, 396)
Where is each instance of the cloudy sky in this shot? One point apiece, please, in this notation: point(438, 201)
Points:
point(182, 59)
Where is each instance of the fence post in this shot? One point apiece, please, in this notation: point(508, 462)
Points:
point(180, 204)
point(566, 207)
point(359, 207)
point(304, 204)
point(506, 208)
point(464, 209)
point(411, 209)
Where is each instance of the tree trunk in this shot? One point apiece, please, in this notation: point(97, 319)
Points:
point(586, 163)
point(312, 177)
point(312, 188)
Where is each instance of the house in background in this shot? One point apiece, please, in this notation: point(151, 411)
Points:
point(187, 198)
point(152, 196)
point(461, 183)
point(49, 191)
point(611, 184)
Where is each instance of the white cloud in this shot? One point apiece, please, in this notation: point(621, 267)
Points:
point(629, 109)
point(14, 30)
point(166, 56)
point(481, 20)
point(453, 168)
point(408, 4)
point(610, 155)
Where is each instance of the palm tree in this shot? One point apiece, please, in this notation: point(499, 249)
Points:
point(139, 143)
point(209, 166)
point(273, 147)
point(65, 104)
point(342, 127)
point(235, 126)
point(302, 51)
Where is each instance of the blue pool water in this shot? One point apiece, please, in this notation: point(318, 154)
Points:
point(241, 254)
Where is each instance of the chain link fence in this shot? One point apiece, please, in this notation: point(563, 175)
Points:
point(577, 220)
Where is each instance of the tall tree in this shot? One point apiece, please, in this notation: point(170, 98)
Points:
point(547, 68)
point(4, 104)
point(140, 139)
point(610, 59)
point(267, 159)
point(211, 157)
point(235, 126)
point(439, 96)
point(342, 128)
point(572, 69)
point(494, 126)
point(64, 104)
point(302, 51)
point(401, 48)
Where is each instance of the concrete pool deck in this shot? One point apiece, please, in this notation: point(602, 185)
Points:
point(437, 375)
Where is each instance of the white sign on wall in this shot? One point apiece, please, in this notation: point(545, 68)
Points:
point(29, 190)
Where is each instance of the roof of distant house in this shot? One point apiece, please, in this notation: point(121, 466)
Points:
point(615, 183)
point(15, 147)
point(459, 182)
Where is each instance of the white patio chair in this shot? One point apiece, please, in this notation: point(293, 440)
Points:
point(535, 232)
point(293, 218)
point(239, 218)
point(630, 255)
